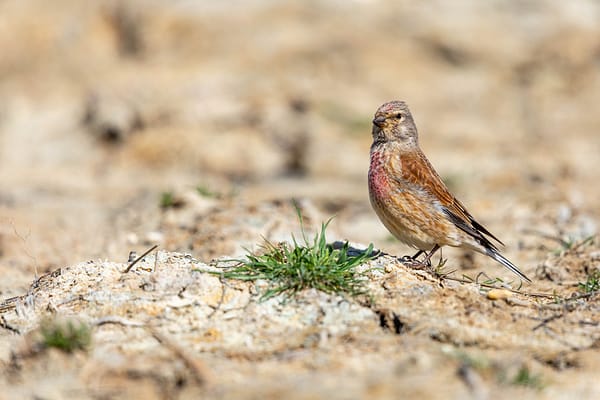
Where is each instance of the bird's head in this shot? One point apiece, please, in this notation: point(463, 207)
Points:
point(394, 123)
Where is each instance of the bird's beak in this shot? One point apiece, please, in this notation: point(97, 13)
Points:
point(379, 121)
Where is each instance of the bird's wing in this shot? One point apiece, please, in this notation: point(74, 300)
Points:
point(415, 169)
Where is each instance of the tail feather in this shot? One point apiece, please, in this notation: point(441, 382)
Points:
point(504, 261)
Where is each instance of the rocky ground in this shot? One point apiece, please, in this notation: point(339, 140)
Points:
point(193, 125)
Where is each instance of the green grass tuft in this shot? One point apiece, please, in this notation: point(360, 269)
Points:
point(441, 271)
point(170, 200)
point(592, 282)
point(67, 335)
point(167, 200)
point(476, 361)
point(205, 191)
point(524, 377)
point(292, 268)
point(571, 243)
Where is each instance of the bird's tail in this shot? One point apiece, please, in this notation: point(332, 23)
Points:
point(504, 261)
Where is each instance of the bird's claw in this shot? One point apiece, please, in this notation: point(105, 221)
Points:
point(413, 263)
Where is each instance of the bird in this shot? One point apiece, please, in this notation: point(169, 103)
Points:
point(410, 198)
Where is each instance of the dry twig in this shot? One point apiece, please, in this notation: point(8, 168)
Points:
point(131, 264)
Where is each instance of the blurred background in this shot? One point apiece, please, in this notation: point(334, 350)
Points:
point(126, 123)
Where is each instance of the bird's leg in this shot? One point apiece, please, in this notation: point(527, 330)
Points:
point(412, 261)
point(417, 254)
point(427, 260)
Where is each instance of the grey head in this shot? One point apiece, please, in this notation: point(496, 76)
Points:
point(393, 122)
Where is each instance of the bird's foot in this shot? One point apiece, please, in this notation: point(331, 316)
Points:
point(413, 262)
point(379, 253)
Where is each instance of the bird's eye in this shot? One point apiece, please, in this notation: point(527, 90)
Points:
point(399, 116)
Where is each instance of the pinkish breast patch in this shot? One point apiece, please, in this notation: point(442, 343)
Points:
point(378, 180)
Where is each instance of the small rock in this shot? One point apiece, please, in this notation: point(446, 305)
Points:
point(499, 294)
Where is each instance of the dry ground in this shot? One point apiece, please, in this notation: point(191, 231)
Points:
point(225, 112)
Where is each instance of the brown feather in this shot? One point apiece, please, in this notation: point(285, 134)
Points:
point(416, 170)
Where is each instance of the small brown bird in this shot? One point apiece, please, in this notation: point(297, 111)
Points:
point(410, 198)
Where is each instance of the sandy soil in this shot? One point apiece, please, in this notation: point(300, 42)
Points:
point(232, 110)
